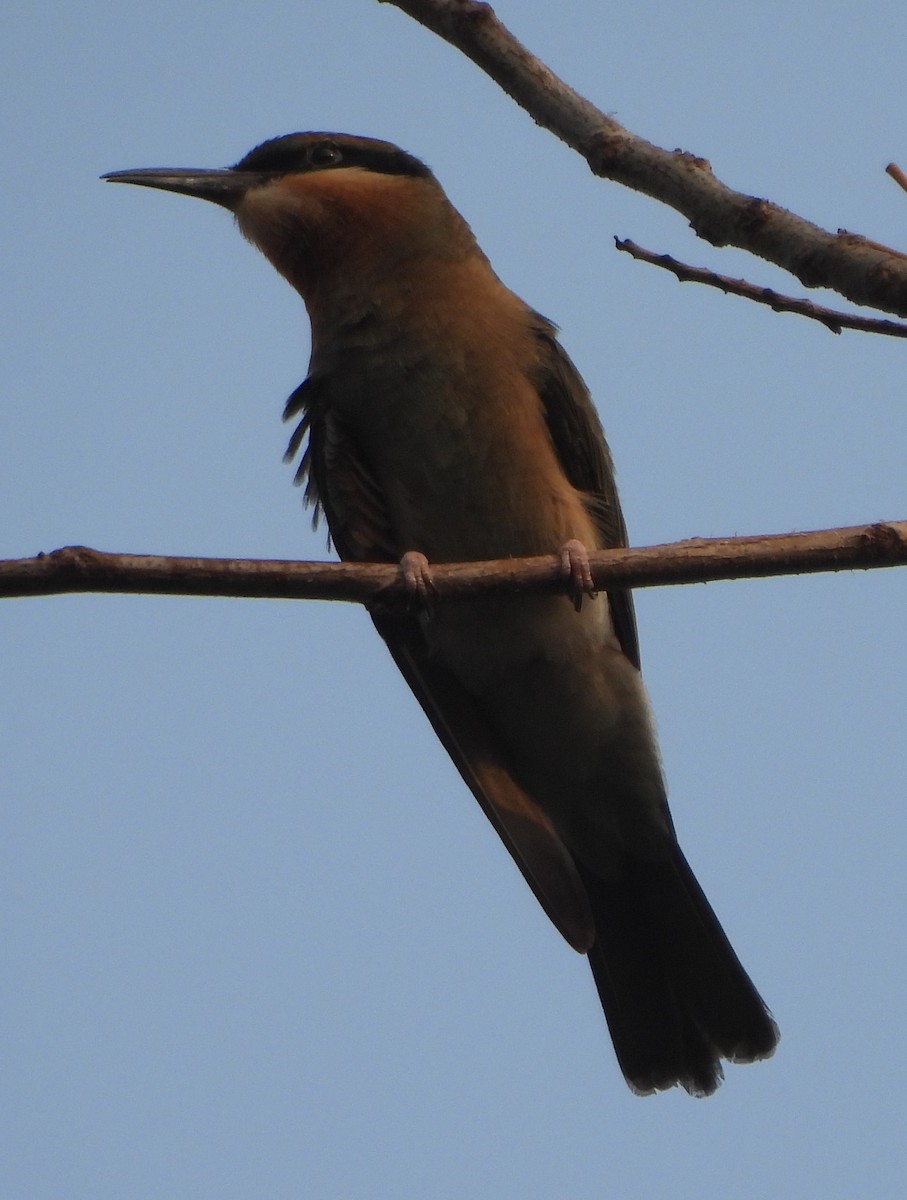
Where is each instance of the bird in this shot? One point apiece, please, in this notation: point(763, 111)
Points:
point(442, 421)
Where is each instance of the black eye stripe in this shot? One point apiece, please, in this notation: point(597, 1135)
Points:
point(315, 151)
point(324, 154)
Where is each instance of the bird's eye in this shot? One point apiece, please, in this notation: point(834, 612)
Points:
point(325, 154)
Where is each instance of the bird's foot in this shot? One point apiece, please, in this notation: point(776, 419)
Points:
point(416, 575)
point(574, 560)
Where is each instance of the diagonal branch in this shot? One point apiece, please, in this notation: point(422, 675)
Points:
point(829, 317)
point(862, 271)
point(697, 560)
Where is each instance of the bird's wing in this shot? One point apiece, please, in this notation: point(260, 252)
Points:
point(586, 460)
point(340, 484)
point(523, 827)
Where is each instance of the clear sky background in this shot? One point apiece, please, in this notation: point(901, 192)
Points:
point(257, 939)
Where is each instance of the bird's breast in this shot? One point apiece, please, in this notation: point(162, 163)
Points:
point(436, 383)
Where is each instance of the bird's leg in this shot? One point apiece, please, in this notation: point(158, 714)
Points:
point(416, 575)
point(574, 559)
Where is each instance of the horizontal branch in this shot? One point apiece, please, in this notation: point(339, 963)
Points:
point(697, 560)
point(857, 268)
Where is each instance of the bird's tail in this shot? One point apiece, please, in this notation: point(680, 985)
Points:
point(675, 996)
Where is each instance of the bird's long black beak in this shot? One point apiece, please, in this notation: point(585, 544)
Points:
point(224, 187)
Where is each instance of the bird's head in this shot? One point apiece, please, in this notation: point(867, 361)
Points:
point(316, 203)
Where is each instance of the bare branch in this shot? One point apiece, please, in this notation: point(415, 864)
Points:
point(862, 271)
point(829, 317)
point(697, 560)
point(897, 175)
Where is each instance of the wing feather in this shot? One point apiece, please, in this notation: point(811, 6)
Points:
point(581, 447)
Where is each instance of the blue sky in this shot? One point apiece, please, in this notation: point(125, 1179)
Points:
point(257, 938)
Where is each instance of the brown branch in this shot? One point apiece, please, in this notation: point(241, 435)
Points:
point(897, 175)
point(829, 317)
point(697, 560)
point(863, 272)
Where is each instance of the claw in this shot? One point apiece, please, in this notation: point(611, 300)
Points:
point(577, 572)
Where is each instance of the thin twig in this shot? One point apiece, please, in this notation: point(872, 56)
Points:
point(697, 560)
point(847, 263)
point(829, 317)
